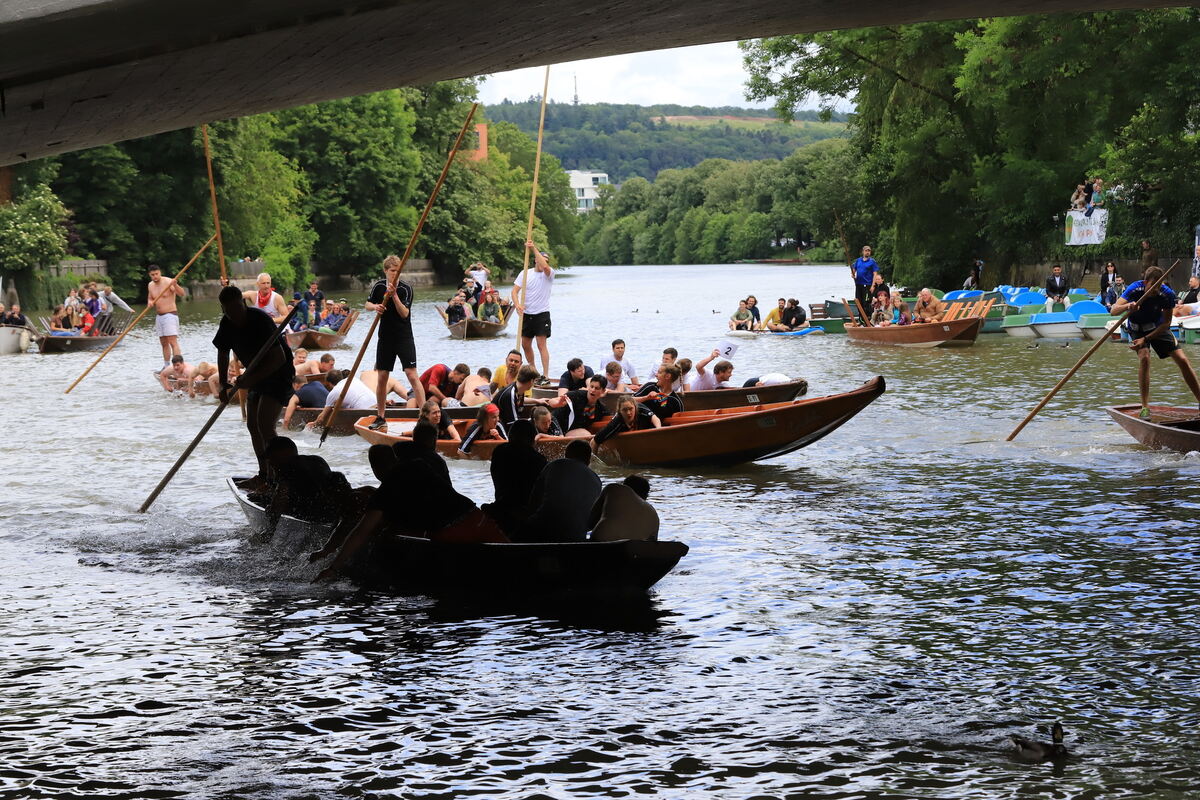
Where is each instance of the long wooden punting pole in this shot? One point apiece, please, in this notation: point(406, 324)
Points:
point(537, 168)
point(267, 345)
point(412, 241)
point(1081, 361)
point(138, 318)
point(212, 193)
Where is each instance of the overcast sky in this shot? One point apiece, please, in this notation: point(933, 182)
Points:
point(705, 75)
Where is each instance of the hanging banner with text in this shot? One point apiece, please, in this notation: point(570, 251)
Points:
point(1086, 230)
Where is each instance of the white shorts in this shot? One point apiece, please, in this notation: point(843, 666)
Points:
point(166, 325)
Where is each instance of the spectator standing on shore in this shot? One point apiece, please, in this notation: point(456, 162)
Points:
point(1149, 256)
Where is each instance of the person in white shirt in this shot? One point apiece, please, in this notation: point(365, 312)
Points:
point(531, 296)
point(628, 373)
point(669, 356)
point(359, 397)
point(718, 378)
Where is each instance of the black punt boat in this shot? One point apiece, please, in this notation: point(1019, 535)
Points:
point(419, 566)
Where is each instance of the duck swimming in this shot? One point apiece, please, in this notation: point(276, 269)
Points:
point(1033, 750)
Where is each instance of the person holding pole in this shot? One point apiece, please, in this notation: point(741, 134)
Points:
point(246, 331)
point(531, 296)
point(864, 271)
point(391, 298)
point(1149, 326)
point(161, 294)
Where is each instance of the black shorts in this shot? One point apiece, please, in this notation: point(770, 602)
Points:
point(535, 325)
point(277, 387)
point(389, 348)
point(1163, 345)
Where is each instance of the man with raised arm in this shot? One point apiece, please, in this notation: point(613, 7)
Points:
point(246, 331)
point(161, 294)
point(392, 299)
point(531, 296)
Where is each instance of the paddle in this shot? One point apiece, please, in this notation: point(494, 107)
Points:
point(866, 323)
point(412, 241)
point(233, 390)
point(537, 166)
point(212, 193)
point(1081, 361)
point(129, 327)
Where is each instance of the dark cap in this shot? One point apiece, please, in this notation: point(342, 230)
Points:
point(296, 295)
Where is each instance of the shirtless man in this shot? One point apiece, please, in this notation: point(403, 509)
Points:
point(205, 372)
point(621, 512)
point(304, 365)
point(370, 379)
point(161, 294)
point(264, 298)
point(178, 372)
point(476, 389)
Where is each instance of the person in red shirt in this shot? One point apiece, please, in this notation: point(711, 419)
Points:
point(87, 325)
point(441, 383)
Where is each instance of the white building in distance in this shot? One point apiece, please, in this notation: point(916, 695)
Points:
point(586, 184)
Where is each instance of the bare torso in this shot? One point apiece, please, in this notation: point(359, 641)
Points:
point(162, 294)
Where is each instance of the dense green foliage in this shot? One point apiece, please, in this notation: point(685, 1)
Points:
point(970, 136)
point(630, 141)
point(332, 187)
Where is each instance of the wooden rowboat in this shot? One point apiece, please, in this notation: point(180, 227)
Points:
point(417, 565)
point(346, 418)
point(320, 340)
point(959, 332)
point(1169, 427)
point(718, 437)
point(728, 436)
point(709, 399)
point(474, 328)
point(67, 344)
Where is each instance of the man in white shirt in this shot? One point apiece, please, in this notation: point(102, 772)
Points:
point(628, 373)
point(718, 378)
point(359, 397)
point(532, 300)
point(669, 356)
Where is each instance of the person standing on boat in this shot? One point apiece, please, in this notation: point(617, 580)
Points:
point(1149, 327)
point(531, 296)
point(392, 299)
point(246, 331)
point(266, 298)
point(864, 271)
point(161, 294)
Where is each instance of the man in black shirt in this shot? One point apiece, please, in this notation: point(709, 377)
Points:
point(392, 298)
point(511, 400)
point(576, 376)
point(246, 331)
point(14, 317)
point(515, 467)
point(578, 409)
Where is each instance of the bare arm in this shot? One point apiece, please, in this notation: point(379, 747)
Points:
point(539, 261)
point(293, 404)
point(701, 364)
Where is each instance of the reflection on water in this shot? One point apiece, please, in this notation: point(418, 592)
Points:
point(866, 618)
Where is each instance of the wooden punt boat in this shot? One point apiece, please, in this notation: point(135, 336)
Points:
point(728, 436)
point(417, 565)
point(710, 399)
point(203, 389)
point(475, 328)
point(67, 344)
point(311, 339)
point(344, 422)
point(718, 437)
point(1169, 427)
point(958, 332)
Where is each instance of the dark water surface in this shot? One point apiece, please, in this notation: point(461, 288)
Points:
point(866, 618)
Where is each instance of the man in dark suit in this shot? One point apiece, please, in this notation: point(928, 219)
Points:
point(1056, 289)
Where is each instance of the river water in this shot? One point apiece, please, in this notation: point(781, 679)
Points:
point(866, 618)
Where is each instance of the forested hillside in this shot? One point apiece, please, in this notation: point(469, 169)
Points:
point(640, 141)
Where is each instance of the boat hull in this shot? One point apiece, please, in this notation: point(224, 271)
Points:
point(315, 340)
point(14, 339)
point(956, 333)
point(1169, 427)
point(417, 565)
point(67, 344)
point(1057, 330)
point(837, 325)
point(710, 399)
point(476, 329)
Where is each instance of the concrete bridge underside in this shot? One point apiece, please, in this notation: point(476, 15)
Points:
point(80, 73)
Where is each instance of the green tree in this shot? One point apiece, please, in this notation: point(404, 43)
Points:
point(32, 235)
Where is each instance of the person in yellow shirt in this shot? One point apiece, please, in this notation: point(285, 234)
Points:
point(773, 317)
point(506, 373)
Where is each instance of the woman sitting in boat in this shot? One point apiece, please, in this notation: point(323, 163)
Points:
point(630, 416)
point(900, 313)
point(489, 306)
point(660, 398)
point(881, 308)
point(544, 423)
point(431, 412)
point(742, 319)
point(60, 322)
point(486, 427)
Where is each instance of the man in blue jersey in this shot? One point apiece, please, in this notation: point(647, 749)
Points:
point(864, 270)
point(1149, 326)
